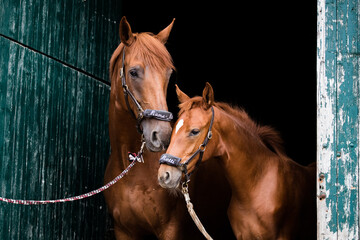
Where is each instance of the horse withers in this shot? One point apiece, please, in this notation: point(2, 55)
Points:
point(273, 197)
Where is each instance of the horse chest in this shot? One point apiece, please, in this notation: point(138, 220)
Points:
point(137, 205)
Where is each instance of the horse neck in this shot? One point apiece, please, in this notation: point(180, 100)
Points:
point(245, 158)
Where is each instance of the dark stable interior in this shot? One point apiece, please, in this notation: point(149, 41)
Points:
point(259, 55)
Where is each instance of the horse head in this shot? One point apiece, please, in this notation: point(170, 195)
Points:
point(141, 68)
point(190, 138)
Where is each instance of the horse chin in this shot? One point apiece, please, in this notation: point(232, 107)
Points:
point(153, 148)
point(172, 186)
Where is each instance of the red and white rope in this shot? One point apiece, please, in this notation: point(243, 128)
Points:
point(70, 199)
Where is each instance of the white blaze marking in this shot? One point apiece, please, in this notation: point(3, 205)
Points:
point(179, 125)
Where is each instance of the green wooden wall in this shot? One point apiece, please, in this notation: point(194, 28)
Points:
point(54, 95)
point(338, 119)
point(82, 33)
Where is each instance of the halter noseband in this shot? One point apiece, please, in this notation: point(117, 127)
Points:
point(147, 113)
point(174, 161)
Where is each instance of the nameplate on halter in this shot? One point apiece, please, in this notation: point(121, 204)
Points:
point(170, 160)
point(158, 114)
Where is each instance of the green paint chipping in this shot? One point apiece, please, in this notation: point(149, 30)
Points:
point(338, 118)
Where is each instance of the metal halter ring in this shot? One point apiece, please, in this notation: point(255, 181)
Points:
point(202, 147)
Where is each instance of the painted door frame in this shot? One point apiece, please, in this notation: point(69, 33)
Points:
point(338, 119)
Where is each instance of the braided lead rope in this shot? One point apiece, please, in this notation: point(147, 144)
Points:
point(192, 213)
point(70, 199)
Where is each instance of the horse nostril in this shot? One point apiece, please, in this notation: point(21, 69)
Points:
point(165, 177)
point(154, 136)
point(155, 140)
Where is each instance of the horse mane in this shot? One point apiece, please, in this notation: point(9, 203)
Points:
point(269, 136)
point(147, 48)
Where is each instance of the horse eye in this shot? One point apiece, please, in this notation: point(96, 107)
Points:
point(194, 132)
point(133, 73)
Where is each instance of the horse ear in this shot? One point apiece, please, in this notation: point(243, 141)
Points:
point(208, 96)
point(181, 95)
point(126, 35)
point(164, 34)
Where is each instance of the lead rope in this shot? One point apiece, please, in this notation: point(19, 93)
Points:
point(190, 207)
point(70, 199)
point(136, 159)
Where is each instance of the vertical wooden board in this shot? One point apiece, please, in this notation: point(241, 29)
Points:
point(347, 118)
point(338, 90)
point(53, 144)
point(81, 33)
point(326, 120)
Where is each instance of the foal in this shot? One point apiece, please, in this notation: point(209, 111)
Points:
point(273, 197)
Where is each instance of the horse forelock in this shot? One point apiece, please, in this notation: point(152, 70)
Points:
point(189, 104)
point(150, 50)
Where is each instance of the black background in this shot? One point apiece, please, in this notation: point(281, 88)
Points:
point(260, 55)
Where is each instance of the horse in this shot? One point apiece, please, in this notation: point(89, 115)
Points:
point(273, 197)
point(140, 69)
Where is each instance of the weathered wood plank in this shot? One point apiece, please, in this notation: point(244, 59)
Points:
point(326, 119)
point(53, 143)
point(79, 32)
point(347, 117)
point(338, 118)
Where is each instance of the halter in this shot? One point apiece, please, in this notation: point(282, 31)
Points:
point(173, 161)
point(147, 113)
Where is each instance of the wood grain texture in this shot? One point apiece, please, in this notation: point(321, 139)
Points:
point(338, 119)
point(82, 33)
point(53, 144)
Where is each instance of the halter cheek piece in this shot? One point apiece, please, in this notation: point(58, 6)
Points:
point(173, 161)
point(147, 113)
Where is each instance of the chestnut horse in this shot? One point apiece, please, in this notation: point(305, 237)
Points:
point(273, 197)
point(139, 206)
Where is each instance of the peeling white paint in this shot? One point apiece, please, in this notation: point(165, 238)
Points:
point(338, 153)
point(325, 127)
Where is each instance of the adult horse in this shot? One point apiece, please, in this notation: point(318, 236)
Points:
point(272, 196)
point(140, 69)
